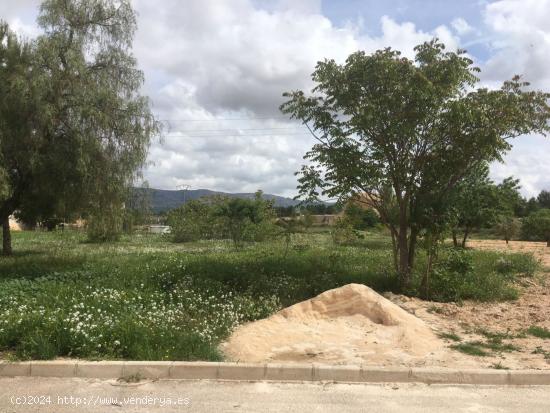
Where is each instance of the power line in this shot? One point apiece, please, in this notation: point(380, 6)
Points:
point(224, 119)
point(239, 136)
point(237, 129)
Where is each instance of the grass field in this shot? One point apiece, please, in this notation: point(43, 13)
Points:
point(146, 298)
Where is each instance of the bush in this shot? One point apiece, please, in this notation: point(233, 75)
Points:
point(456, 278)
point(361, 218)
point(507, 227)
point(105, 225)
point(223, 217)
point(536, 227)
point(524, 265)
point(245, 219)
point(193, 221)
point(343, 232)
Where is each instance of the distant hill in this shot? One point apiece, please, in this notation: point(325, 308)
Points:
point(163, 200)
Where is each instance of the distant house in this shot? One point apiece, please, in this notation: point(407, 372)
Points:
point(324, 220)
point(159, 229)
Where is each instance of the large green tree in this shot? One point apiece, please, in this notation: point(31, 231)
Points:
point(405, 132)
point(19, 121)
point(83, 129)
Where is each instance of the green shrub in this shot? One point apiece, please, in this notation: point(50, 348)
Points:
point(343, 233)
point(193, 221)
point(536, 227)
point(361, 218)
point(507, 227)
point(521, 264)
point(463, 274)
point(539, 332)
point(105, 225)
point(220, 217)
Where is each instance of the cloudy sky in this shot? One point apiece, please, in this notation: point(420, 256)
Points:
point(215, 71)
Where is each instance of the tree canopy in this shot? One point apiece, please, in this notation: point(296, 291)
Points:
point(403, 133)
point(80, 129)
point(536, 226)
point(474, 203)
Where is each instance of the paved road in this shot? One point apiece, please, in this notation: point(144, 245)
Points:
point(70, 395)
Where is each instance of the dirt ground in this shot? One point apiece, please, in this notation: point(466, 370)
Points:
point(509, 318)
point(345, 326)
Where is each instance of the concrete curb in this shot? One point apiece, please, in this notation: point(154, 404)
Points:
point(270, 372)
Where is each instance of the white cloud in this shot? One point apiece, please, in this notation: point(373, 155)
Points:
point(521, 45)
point(221, 60)
point(210, 60)
point(461, 26)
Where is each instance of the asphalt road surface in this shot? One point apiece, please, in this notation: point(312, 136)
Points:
point(49, 395)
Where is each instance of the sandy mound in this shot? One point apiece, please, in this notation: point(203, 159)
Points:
point(351, 324)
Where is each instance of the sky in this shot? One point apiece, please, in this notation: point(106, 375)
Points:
point(215, 71)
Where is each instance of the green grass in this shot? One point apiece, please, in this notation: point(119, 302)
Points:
point(545, 353)
point(450, 336)
point(499, 366)
point(478, 275)
point(484, 348)
point(539, 332)
point(145, 298)
point(493, 344)
point(472, 349)
point(495, 336)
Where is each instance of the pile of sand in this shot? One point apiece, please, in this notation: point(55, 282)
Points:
point(351, 324)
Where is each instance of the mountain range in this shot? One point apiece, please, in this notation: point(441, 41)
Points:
point(163, 200)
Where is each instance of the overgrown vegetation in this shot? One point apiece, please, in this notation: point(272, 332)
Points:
point(539, 332)
point(145, 297)
point(223, 217)
point(493, 343)
point(536, 226)
point(480, 275)
point(484, 348)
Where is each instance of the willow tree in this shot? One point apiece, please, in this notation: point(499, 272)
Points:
point(18, 124)
point(402, 133)
point(88, 128)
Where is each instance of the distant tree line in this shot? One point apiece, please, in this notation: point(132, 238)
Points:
point(312, 208)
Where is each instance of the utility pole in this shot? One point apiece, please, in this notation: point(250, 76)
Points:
point(184, 188)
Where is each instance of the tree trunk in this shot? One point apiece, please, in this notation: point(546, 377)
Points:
point(548, 242)
point(403, 245)
point(6, 237)
point(404, 270)
point(455, 240)
point(412, 247)
point(395, 250)
point(466, 233)
point(425, 284)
